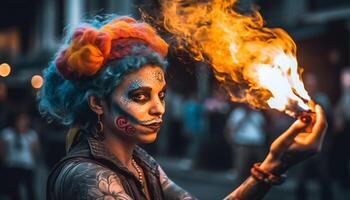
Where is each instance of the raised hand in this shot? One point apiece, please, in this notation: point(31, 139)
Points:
point(296, 144)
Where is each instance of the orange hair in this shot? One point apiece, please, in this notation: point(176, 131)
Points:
point(90, 48)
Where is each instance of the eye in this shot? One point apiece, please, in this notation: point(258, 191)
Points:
point(139, 97)
point(162, 95)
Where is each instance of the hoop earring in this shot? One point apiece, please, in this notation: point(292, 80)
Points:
point(99, 129)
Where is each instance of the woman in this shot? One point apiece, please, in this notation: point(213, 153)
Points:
point(108, 84)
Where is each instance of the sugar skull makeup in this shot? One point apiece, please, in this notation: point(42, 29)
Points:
point(137, 103)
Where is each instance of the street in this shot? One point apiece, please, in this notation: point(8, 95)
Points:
point(207, 185)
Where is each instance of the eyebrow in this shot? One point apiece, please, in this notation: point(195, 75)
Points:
point(146, 88)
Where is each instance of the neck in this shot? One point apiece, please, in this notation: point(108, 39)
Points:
point(120, 147)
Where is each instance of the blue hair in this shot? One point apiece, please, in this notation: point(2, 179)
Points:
point(65, 101)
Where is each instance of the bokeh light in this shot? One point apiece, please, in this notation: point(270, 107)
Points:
point(5, 69)
point(37, 81)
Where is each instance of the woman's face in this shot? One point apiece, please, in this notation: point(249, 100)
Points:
point(137, 104)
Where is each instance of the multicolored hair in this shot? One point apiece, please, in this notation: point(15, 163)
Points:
point(93, 61)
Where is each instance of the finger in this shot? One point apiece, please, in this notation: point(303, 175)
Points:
point(319, 129)
point(288, 136)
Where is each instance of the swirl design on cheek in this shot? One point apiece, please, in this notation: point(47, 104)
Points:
point(123, 124)
point(130, 130)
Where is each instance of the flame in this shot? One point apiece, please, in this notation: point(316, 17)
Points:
point(255, 64)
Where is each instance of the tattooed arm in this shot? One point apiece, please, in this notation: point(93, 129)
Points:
point(90, 181)
point(171, 190)
point(296, 144)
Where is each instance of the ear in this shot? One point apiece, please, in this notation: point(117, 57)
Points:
point(95, 104)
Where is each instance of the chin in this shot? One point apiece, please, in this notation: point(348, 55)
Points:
point(148, 138)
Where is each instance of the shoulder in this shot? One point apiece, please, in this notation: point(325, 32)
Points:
point(257, 114)
point(7, 133)
point(238, 112)
point(171, 190)
point(88, 180)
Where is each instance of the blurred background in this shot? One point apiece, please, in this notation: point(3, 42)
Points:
point(207, 143)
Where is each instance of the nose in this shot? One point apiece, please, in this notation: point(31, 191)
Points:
point(157, 108)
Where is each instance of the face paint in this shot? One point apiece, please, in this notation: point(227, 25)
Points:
point(121, 119)
point(136, 84)
point(158, 75)
point(133, 86)
point(137, 103)
point(123, 125)
point(125, 101)
point(118, 111)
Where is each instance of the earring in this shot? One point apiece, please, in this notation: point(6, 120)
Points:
point(99, 129)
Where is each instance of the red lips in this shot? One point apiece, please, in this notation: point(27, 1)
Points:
point(153, 126)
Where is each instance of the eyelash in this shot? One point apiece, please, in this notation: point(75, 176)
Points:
point(142, 97)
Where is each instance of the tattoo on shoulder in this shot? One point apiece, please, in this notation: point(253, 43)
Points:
point(108, 186)
point(99, 183)
point(171, 190)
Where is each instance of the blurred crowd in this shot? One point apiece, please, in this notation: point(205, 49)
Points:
point(206, 133)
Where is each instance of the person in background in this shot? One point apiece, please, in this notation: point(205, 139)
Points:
point(172, 126)
point(3, 122)
point(20, 149)
point(214, 145)
point(245, 131)
point(3, 105)
point(341, 150)
point(193, 125)
point(312, 86)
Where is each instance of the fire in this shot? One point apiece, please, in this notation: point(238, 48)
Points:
point(255, 64)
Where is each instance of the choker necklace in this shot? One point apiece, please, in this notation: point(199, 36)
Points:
point(139, 171)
